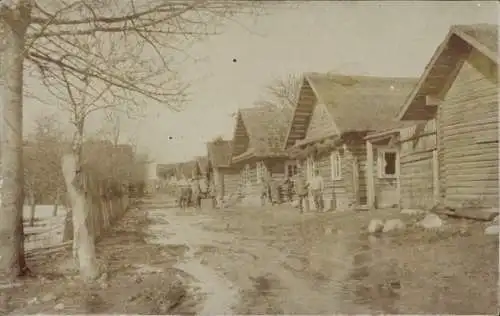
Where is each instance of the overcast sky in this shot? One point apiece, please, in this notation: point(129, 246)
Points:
point(371, 38)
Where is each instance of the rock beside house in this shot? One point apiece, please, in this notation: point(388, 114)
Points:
point(393, 224)
point(431, 221)
point(375, 226)
point(492, 230)
point(409, 211)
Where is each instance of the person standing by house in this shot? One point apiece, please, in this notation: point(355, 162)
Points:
point(264, 191)
point(316, 185)
point(301, 187)
point(274, 189)
point(195, 187)
point(287, 188)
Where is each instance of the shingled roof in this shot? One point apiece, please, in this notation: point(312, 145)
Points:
point(361, 103)
point(482, 37)
point(219, 153)
point(266, 127)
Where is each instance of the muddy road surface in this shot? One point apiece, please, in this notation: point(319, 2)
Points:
point(254, 261)
point(274, 260)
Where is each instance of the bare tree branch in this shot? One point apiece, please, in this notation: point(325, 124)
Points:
point(283, 93)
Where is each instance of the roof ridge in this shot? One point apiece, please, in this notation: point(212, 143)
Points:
point(334, 74)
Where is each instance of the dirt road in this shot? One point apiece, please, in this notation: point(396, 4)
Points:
point(260, 261)
point(161, 260)
point(275, 260)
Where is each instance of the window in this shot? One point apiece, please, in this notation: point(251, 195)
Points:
point(261, 171)
point(291, 169)
point(336, 165)
point(245, 174)
point(387, 164)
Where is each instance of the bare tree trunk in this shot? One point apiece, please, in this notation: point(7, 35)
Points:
point(12, 263)
point(82, 238)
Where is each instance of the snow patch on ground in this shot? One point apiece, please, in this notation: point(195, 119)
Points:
point(48, 229)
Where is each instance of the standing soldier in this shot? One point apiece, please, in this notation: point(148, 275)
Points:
point(195, 187)
point(301, 187)
point(317, 187)
point(287, 188)
point(264, 191)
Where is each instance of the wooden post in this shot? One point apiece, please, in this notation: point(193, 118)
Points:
point(398, 177)
point(369, 175)
point(435, 176)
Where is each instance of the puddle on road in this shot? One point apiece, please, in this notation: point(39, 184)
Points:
point(221, 295)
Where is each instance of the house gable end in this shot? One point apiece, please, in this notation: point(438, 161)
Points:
point(321, 123)
point(302, 114)
point(241, 139)
point(440, 72)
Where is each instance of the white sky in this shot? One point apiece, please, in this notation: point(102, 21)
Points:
point(372, 38)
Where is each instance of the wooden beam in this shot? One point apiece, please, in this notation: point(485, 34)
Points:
point(370, 181)
point(398, 176)
point(435, 176)
point(431, 100)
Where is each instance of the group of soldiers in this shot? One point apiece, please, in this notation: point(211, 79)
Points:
point(192, 191)
point(298, 185)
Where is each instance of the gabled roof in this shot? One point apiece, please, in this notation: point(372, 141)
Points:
point(219, 153)
point(266, 127)
point(359, 103)
point(456, 45)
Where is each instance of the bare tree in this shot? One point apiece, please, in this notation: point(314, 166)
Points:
point(56, 38)
point(283, 93)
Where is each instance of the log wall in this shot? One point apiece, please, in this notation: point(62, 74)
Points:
point(468, 135)
point(417, 144)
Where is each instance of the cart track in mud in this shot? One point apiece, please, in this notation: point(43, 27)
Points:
point(249, 272)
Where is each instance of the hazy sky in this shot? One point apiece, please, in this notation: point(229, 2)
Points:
point(372, 38)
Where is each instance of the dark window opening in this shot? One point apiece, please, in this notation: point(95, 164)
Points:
point(390, 163)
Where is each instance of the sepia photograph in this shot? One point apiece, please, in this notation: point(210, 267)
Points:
point(249, 157)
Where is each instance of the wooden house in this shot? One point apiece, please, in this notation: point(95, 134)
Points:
point(258, 147)
point(226, 177)
point(333, 115)
point(458, 93)
point(414, 147)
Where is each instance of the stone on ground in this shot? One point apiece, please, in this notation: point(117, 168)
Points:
point(496, 221)
point(492, 230)
point(409, 211)
point(393, 224)
point(431, 221)
point(375, 226)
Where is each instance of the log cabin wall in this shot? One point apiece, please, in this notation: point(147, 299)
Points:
point(227, 180)
point(231, 181)
point(338, 194)
point(275, 167)
point(468, 135)
point(333, 189)
point(417, 144)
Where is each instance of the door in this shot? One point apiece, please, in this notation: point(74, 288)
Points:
point(388, 178)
